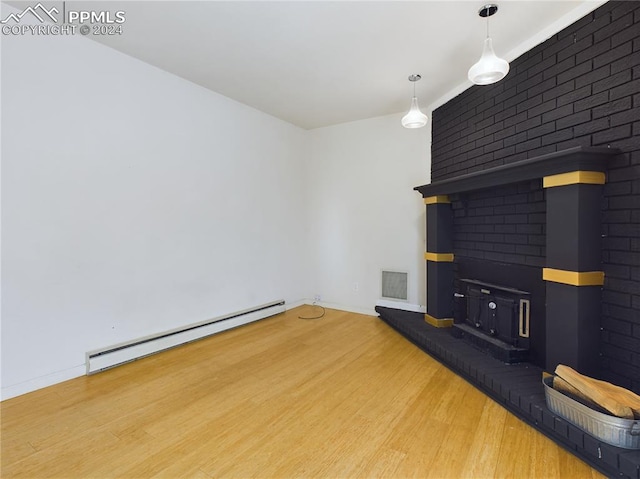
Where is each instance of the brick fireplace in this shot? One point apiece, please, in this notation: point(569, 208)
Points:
point(579, 88)
point(565, 320)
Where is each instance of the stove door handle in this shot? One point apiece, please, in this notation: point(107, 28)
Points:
point(523, 329)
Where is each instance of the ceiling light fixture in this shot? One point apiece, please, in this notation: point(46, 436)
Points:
point(415, 118)
point(489, 69)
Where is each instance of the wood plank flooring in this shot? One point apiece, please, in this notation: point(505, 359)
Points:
point(338, 397)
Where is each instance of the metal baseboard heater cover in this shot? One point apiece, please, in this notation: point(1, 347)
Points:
point(116, 355)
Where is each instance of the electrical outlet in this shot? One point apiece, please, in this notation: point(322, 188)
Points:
point(356, 286)
point(317, 298)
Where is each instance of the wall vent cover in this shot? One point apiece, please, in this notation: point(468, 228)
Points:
point(395, 285)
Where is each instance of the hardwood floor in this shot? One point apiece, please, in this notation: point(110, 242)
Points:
point(341, 396)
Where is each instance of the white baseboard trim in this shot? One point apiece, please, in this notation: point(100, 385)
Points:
point(295, 304)
point(416, 308)
point(41, 382)
point(343, 307)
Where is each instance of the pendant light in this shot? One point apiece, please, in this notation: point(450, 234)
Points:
point(490, 68)
point(415, 118)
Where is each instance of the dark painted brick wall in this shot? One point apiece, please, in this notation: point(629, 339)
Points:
point(580, 87)
point(506, 224)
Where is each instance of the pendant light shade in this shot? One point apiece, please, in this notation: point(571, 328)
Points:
point(490, 68)
point(415, 118)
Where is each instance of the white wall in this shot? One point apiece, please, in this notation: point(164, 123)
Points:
point(133, 202)
point(364, 214)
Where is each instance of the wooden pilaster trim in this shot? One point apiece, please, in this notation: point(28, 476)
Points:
point(574, 177)
point(430, 200)
point(439, 257)
point(438, 323)
point(573, 278)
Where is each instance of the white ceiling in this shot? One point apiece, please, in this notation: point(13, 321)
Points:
point(319, 63)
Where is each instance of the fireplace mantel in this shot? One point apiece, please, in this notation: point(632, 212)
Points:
point(573, 159)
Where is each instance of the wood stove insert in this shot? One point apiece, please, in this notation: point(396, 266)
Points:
point(494, 318)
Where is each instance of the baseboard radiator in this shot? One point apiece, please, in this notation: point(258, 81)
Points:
point(106, 358)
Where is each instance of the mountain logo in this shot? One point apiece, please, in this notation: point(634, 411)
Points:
point(16, 17)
